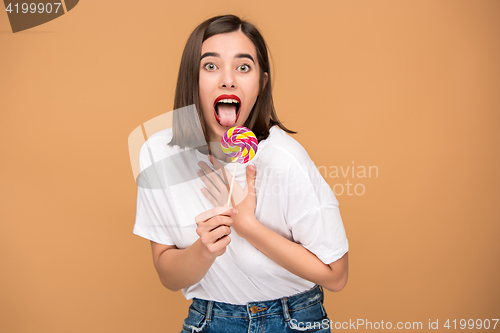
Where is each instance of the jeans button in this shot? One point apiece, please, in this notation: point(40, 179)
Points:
point(254, 309)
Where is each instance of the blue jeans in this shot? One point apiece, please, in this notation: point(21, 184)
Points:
point(303, 312)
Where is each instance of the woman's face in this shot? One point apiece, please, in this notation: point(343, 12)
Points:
point(229, 81)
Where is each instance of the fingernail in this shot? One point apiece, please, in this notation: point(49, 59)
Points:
point(235, 211)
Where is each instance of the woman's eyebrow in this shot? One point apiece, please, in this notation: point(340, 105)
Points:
point(209, 54)
point(244, 55)
point(239, 55)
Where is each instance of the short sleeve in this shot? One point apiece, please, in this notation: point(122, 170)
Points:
point(154, 202)
point(313, 214)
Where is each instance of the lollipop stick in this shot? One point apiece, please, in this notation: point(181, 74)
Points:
point(232, 183)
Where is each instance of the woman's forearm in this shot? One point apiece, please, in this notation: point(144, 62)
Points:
point(182, 268)
point(297, 259)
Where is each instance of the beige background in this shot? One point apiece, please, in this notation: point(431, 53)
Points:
point(410, 87)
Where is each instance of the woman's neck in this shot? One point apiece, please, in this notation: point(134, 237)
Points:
point(216, 151)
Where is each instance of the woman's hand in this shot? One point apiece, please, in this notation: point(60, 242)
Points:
point(290, 255)
point(217, 189)
point(214, 229)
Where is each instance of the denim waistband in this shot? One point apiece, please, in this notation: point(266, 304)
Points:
point(263, 308)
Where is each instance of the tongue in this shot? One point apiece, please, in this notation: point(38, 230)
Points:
point(227, 114)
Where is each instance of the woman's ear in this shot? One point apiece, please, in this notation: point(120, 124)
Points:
point(265, 80)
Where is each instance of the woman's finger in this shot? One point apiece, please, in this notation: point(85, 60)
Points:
point(219, 197)
point(208, 183)
point(221, 170)
point(239, 194)
point(223, 210)
point(226, 175)
point(216, 234)
point(213, 176)
point(213, 224)
point(217, 221)
point(210, 197)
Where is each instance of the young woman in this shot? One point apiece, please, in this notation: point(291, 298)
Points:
point(260, 266)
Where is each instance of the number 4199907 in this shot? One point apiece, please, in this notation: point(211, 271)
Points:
point(33, 8)
point(471, 324)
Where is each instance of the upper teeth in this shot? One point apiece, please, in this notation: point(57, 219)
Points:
point(227, 101)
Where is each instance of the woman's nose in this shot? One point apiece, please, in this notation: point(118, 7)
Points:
point(228, 80)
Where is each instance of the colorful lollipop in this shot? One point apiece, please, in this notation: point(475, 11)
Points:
point(240, 144)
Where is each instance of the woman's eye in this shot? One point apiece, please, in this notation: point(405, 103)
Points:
point(210, 67)
point(244, 68)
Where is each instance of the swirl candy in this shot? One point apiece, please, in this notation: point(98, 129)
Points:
point(240, 144)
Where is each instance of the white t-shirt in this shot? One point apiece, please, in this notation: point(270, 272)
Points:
point(293, 200)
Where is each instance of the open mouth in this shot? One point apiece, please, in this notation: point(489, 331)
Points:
point(227, 110)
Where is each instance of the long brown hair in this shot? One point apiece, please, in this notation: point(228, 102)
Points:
point(263, 115)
